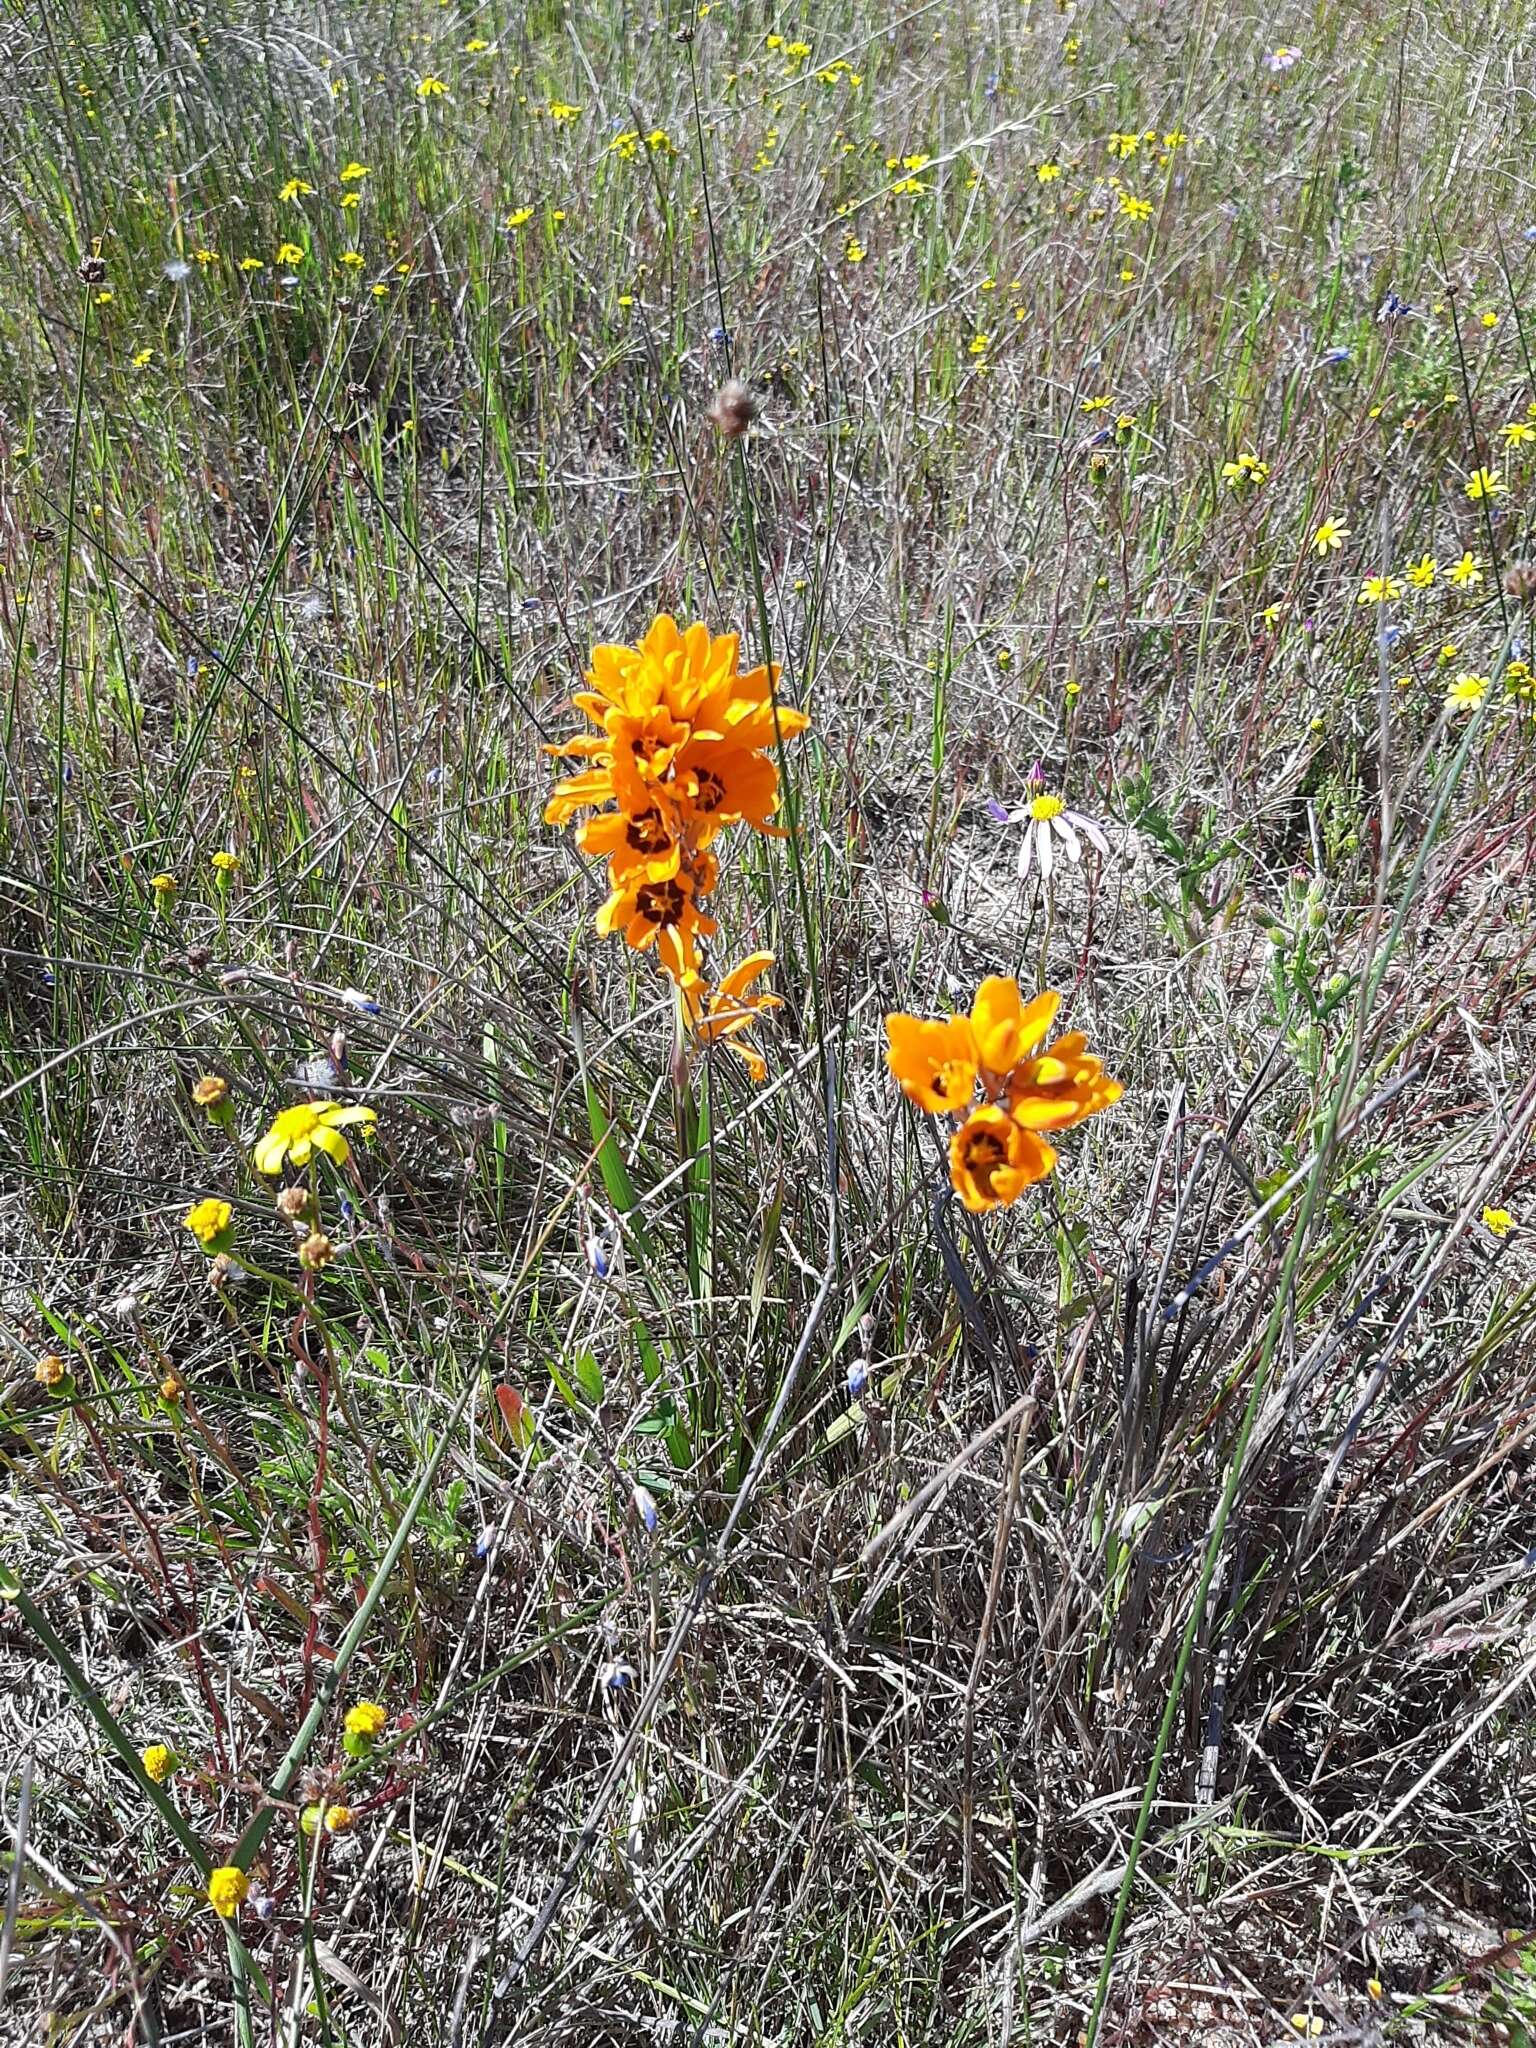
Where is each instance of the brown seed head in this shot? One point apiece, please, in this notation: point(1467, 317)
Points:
point(316, 1252)
point(93, 269)
point(210, 1091)
point(734, 409)
point(297, 1204)
point(50, 1371)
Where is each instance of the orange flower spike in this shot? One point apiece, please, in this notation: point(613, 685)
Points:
point(1007, 1030)
point(992, 1160)
point(934, 1060)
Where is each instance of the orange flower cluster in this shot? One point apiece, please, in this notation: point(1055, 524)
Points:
point(997, 1151)
point(683, 747)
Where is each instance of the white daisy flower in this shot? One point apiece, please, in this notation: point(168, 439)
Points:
point(1048, 824)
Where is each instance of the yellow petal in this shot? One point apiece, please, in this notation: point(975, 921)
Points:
point(270, 1153)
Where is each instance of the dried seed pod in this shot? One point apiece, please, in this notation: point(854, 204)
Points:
point(734, 409)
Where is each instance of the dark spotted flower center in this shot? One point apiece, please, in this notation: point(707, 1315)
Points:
point(661, 903)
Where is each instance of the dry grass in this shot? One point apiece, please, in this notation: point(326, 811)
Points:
point(1110, 1621)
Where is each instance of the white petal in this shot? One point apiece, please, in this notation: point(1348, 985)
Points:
point(1069, 838)
point(1047, 853)
point(1091, 831)
point(1026, 849)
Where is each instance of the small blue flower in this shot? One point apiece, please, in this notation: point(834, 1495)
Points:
point(858, 1377)
point(645, 1508)
point(358, 1001)
point(721, 336)
point(1337, 355)
point(602, 1250)
point(486, 1540)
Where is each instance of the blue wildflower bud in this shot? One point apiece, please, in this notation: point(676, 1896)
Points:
point(645, 1508)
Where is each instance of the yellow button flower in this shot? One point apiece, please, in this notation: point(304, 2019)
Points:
point(158, 1762)
point(227, 1889)
point(209, 1223)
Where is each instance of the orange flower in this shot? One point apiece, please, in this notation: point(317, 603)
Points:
point(678, 723)
point(934, 1060)
point(992, 1160)
point(642, 910)
point(997, 1153)
point(728, 1012)
point(1061, 1087)
point(633, 843)
point(1006, 1030)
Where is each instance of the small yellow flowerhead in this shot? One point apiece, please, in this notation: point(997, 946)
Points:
point(51, 1372)
point(211, 1092)
point(364, 1724)
point(367, 1720)
point(1484, 483)
point(338, 1819)
point(224, 862)
point(1499, 1221)
point(430, 89)
point(209, 1222)
point(227, 1889)
point(164, 885)
point(290, 253)
point(158, 1762)
point(172, 1387)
